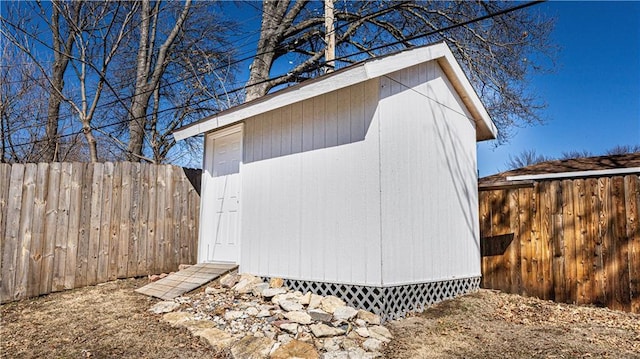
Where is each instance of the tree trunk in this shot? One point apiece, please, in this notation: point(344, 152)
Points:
point(270, 37)
point(60, 62)
point(147, 78)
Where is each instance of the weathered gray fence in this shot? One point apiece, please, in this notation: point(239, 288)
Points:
point(68, 225)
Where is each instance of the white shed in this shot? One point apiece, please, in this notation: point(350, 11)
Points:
point(361, 183)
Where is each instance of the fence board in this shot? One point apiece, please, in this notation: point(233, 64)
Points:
point(12, 231)
point(152, 237)
point(621, 244)
point(76, 243)
point(62, 227)
point(161, 190)
point(50, 226)
point(102, 273)
point(144, 221)
point(37, 239)
point(577, 240)
point(125, 227)
point(632, 193)
point(169, 248)
point(134, 214)
point(5, 176)
point(580, 241)
point(591, 240)
point(95, 208)
point(545, 239)
point(114, 241)
point(25, 231)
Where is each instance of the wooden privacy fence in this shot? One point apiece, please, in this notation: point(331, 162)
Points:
point(572, 240)
point(68, 225)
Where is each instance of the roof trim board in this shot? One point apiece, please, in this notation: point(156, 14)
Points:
point(614, 171)
point(374, 68)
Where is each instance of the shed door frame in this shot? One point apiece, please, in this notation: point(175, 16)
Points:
point(206, 209)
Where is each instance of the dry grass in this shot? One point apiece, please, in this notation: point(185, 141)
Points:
point(111, 321)
point(489, 324)
point(104, 321)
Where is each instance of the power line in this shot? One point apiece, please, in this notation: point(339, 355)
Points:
point(318, 66)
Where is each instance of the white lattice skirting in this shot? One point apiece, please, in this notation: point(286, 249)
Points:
point(390, 302)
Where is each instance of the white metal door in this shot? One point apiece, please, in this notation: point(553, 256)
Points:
point(219, 222)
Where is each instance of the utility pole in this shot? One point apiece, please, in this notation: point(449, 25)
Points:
point(329, 37)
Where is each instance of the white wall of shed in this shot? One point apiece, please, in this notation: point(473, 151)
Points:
point(428, 179)
point(310, 189)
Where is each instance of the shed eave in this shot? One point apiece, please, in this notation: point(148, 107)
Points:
point(485, 129)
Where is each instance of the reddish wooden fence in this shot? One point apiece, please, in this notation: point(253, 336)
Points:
point(573, 240)
point(68, 225)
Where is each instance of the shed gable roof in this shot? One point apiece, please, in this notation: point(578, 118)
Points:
point(370, 69)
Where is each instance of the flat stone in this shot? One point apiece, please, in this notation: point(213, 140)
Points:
point(336, 355)
point(276, 282)
point(349, 344)
point(229, 280)
point(259, 288)
point(298, 317)
point(263, 313)
point(246, 283)
point(314, 301)
point(305, 299)
point(331, 344)
point(272, 292)
point(344, 313)
point(177, 319)
point(250, 347)
point(217, 338)
point(164, 307)
point(322, 330)
point(381, 333)
point(360, 323)
point(252, 311)
point(233, 314)
point(368, 317)
point(213, 291)
point(284, 338)
point(290, 306)
point(196, 326)
point(363, 332)
point(293, 297)
point(330, 303)
point(358, 353)
point(296, 349)
point(372, 345)
point(290, 327)
point(320, 315)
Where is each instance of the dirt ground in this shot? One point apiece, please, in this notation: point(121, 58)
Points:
point(103, 321)
point(489, 324)
point(111, 321)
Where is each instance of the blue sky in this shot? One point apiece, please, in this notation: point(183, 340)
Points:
point(593, 97)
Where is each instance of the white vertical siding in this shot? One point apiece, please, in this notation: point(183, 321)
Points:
point(310, 189)
point(428, 179)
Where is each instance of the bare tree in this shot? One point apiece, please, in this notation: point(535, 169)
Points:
point(18, 28)
point(98, 35)
point(567, 155)
point(526, 158)
point(623, 149)
point(498, 53)
point(150, 66)
point(22, 101)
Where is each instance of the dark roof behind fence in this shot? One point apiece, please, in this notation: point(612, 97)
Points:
point(570, 165)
